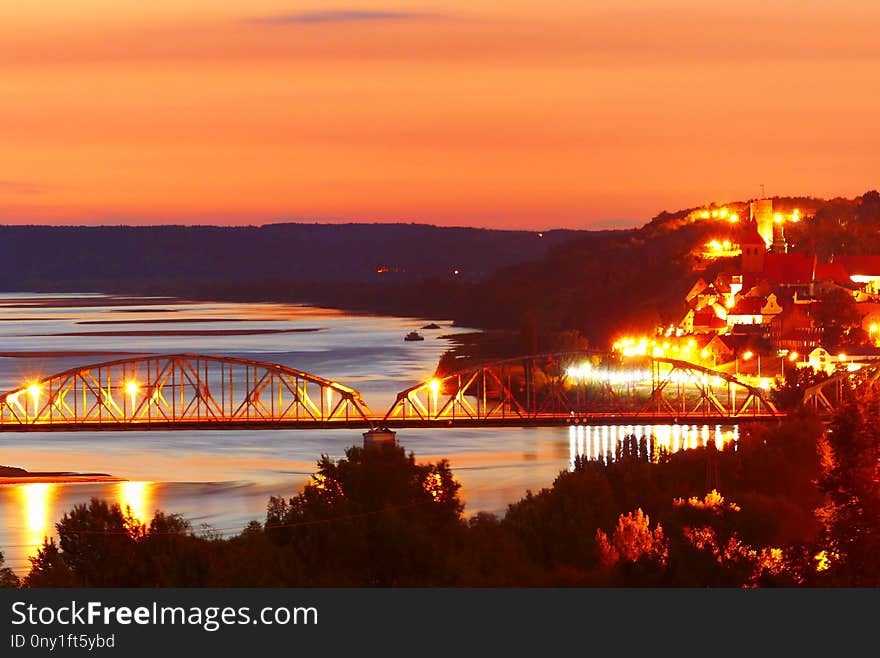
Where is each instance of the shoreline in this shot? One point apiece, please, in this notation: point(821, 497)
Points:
point(15, 475)
point(73, 478)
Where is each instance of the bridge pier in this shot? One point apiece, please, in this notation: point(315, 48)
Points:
point(379, 436)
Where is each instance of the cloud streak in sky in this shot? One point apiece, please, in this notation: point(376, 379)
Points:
point(346, 16)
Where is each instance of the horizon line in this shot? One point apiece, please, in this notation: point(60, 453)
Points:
point(323, 222)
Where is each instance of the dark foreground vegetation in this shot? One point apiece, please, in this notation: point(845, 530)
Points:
point(792, 505)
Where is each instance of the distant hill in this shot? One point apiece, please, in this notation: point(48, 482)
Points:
point(137, 258)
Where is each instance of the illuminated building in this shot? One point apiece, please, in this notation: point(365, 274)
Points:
point(794, 329)
point(761, 215)
point(863, 270)
point(779, 245)
point(821, 361)
point(772, 295)
point(697, 289)
point(707, 320)
point(753, 249)
point(754, 310)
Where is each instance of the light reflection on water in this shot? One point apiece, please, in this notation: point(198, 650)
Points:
point(604, 442)
point(31, 510)
point(36, 500)
point(135, 499)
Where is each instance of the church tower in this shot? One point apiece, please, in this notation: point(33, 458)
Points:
point(761, 213)
point(753, 249)
point(780, 245)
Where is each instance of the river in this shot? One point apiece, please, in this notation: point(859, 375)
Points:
point(220, 480)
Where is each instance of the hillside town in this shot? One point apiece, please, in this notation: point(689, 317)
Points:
point(758, 308)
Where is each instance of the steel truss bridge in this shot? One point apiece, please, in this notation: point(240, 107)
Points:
point(826, 397)
point(577, 387)
point(181, 391)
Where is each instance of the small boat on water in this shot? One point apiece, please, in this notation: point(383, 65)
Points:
point(414, 335)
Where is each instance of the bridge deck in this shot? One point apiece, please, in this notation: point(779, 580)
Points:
point(547, 420)
point(210, 392)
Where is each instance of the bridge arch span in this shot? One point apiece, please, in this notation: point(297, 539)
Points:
point(583, 384)
point(826, 397)
point(177, 389)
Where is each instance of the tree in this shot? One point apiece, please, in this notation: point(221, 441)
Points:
point(97, 541)
point(48, 568)
point(836, 313)
point(557, 525)
point(705, 546)
point(797, 381)
point(851, 482)
point(633, 543)
point(375, 517)
point(7, 578)
point(100, 546)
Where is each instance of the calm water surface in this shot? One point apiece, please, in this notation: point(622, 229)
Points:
point(223, 479)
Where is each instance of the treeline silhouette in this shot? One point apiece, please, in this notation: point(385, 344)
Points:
point(788, 505)
point(100, 258)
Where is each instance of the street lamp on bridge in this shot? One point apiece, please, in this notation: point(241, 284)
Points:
point(434, 386)
point(747, 356)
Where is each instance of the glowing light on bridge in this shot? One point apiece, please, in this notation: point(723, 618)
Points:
point(586, 372)
point(580, 372)
point(634, 346)
point(34, 392)
point(131, 388)
point(676, 347)
point(434, 386)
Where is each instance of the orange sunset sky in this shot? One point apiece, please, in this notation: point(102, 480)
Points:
point(462, 112)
